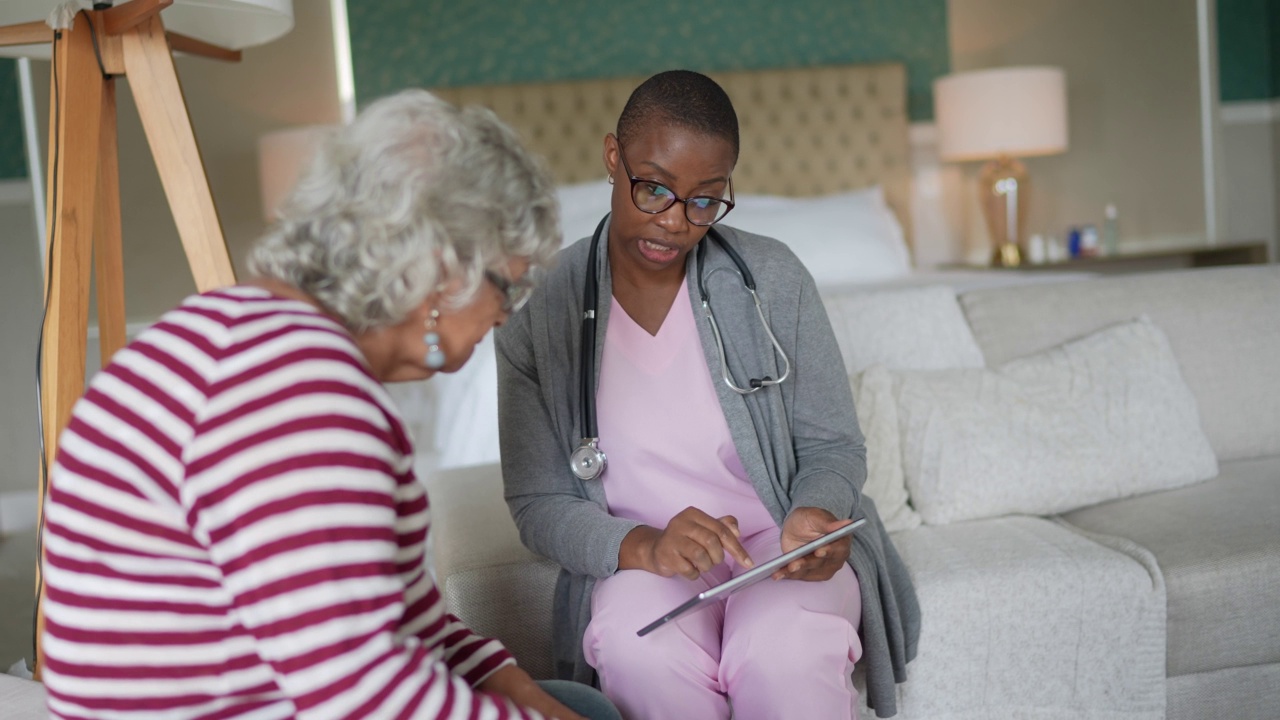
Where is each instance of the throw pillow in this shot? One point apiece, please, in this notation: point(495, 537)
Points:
point(1100, 418)
point(920, 328)
point(878, 417)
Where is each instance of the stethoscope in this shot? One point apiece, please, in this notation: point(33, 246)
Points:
point(587, 461)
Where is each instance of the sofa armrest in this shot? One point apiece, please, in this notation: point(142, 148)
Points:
point(488, 578)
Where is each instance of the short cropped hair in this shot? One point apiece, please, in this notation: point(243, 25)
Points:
point(414, 193)
point(682, 98)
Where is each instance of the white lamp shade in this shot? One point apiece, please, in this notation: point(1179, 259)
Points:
point(282, 157)
point(233, 24)
point(1014, 112)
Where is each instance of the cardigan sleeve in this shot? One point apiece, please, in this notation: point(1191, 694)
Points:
point(830, 450)
point(550, 507)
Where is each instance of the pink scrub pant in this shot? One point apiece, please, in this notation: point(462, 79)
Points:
point(773, 651)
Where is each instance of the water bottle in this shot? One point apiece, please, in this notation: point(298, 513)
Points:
point(1110, 230)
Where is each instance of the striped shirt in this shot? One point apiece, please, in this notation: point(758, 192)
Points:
point(234, 530)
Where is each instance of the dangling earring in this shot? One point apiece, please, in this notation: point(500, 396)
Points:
point(610, 179)
point(435, 356)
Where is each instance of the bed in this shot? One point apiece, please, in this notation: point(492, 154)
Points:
point(825, 166)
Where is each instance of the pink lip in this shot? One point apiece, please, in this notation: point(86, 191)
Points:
point(659, 257)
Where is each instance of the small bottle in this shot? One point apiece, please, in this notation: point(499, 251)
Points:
point(1073, 242)
point(1110, 230)
point(1036, 251)
point(1089, 241)
point(1055, 252)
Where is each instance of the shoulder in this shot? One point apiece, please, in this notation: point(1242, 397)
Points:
point(556, 304)
point(777, 270)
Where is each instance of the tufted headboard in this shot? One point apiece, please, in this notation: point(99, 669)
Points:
point(807, 131)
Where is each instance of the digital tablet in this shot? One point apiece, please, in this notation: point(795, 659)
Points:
point(751, 577)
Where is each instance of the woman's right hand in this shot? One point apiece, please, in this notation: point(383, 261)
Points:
point(693, 543)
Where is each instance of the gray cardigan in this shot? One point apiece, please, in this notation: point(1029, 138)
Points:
point(799, 441)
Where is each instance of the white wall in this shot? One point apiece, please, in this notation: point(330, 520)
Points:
point(1133, 104)
point(1251, 158)
point(20, 300)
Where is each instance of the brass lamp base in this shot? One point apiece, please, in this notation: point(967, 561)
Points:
point(1002, 185)
point(1006, 255)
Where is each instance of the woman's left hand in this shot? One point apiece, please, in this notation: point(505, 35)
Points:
point(806, 524)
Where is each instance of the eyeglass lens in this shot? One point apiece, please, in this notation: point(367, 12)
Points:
point(652, 197)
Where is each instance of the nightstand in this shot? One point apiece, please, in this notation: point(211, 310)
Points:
point(1233, 253)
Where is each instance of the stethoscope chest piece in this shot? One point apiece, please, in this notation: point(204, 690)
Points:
point(588, 461)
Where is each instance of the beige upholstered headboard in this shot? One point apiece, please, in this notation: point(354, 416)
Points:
point(808, 131)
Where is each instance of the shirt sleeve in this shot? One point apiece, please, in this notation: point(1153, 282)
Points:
point(291, 483)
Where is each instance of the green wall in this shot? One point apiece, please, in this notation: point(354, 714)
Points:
point(441, 43)
point(1249, 49)
point(13, 161)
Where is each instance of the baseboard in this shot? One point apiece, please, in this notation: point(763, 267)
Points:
point(18, 511)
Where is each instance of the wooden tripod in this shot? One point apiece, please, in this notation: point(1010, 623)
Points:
point(83, 191)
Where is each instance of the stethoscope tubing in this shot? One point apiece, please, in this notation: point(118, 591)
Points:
point(587, 462)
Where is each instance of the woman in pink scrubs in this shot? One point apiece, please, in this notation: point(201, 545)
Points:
point(702, 479)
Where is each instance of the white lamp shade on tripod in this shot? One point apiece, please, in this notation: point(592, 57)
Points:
point(232, 24)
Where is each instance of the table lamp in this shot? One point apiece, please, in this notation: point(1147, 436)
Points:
point(283, 155)
point(1000, 115)
point(230, 24)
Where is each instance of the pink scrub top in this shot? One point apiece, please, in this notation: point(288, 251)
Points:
point(662, 427)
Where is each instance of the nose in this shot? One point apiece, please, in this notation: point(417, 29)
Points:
point(673, 219)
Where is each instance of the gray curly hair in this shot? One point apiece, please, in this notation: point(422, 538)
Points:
point(414, 193)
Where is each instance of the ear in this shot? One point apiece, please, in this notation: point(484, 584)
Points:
point(611, 164)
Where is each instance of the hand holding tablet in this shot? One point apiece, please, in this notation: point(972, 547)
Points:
point(751, 577)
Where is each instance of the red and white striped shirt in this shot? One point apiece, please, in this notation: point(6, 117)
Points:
point(234, 530)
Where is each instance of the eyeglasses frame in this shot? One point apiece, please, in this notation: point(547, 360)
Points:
point(521, 291)
point(635, 180)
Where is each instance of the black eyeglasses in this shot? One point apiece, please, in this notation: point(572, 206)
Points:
point(653, 197)
point(515, 293)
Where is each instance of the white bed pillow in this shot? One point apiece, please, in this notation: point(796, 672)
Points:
point(845, 238)
point(921, 328)
point(1100, 418)
point(581, 207)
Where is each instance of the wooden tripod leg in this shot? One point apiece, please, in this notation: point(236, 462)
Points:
point(108, 251)
point(73, 163)
point(154, 81)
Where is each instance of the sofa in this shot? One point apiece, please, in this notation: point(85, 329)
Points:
point(1147, 604)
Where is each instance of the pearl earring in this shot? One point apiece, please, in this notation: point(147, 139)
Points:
point(435, 356)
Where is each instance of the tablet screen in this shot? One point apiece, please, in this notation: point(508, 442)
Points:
point(749, 578)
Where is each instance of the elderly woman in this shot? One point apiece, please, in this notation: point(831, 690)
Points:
point(234, 528)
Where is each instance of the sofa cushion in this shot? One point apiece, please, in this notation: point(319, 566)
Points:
point(1103, 417)
point(22, 699)
point(1218, 546)
point(1024, 617)
point(1221, 323)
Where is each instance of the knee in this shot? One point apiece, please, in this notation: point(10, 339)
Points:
point(618, 652)
point(802, 644)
